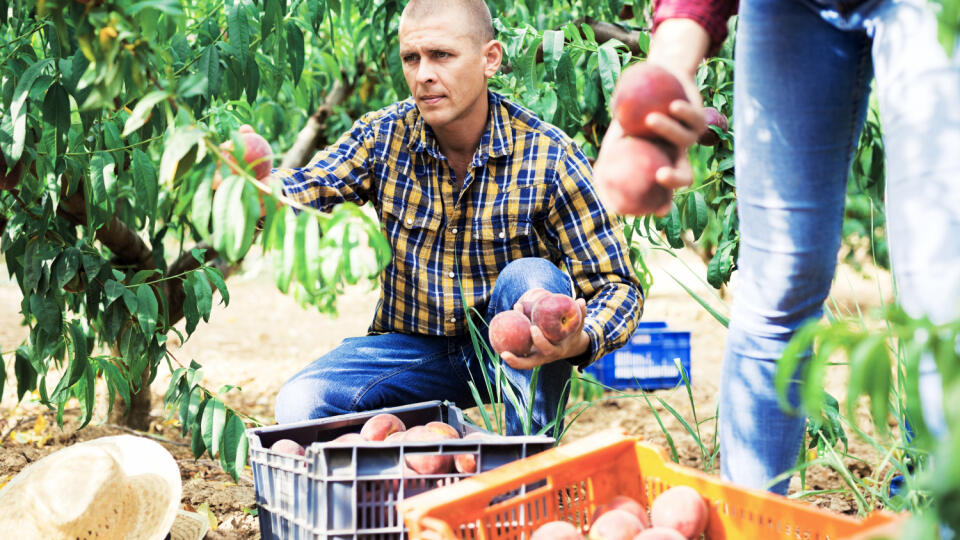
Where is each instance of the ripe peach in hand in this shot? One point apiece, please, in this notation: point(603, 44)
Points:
point(680, 508)
point(286, 446)
point(426, 463)
point(660, 533)
point(629, 504)
point(528, 299)
point(556, 530)
point(615, 525)
point(557, 316)
point(714, 118)
point(625, 173)
point(379, 426)
point(644, 88)
point(510, 331)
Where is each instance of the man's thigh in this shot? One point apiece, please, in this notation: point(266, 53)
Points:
point(372, 372)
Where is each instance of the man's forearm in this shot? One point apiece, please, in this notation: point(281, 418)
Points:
point(680, 45)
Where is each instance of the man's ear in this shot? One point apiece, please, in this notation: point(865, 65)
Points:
point(492, 56)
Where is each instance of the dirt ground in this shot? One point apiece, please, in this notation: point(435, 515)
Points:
point(264, 337)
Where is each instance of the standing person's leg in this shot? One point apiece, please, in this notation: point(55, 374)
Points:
point(552, 389)
point(800, 94)
point(918, 90)
point(372, 372)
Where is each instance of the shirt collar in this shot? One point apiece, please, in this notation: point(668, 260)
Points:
point(497, 139)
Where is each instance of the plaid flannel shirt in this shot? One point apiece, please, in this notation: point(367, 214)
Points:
point(528, 193)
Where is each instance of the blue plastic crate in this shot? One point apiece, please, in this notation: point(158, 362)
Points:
point(349, 491)
point(647, 361)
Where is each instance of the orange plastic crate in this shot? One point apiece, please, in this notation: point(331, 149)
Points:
point(569, 482)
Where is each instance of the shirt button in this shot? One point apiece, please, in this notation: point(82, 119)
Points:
point(453, 319)
point(454, 230)
point(452, 275)
point(502, 234)
point(409, 221)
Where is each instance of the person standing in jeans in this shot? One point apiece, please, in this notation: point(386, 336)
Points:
point(802, 80)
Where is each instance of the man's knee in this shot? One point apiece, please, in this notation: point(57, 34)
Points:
point(303, 398)
point(532, 272)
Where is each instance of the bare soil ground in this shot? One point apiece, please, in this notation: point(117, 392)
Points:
point(264, 337)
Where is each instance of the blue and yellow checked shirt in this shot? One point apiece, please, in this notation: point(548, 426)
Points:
point(528, 193)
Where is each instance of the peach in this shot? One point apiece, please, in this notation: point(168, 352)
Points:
point(615, 525)
point(660, 533)
point(467, 463)
point(714, 118)
point(557, 316)
point(529, 298)
point(680, 508)
point(622, 502)
point(377, 427)
point(396, 436)
point(625, 174)
point(644, 88)
point(443, 429)
point(510, 331)
point(349, 437)
point(426, 463)
point(256, 153)
point(556, 530)
point(286, 446)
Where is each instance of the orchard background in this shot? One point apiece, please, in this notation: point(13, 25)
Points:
point(126, 269)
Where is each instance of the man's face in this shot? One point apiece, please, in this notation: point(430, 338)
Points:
point(446, 67)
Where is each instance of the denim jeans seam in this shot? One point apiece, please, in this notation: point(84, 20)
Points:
point(858, 95)
point(363, 391)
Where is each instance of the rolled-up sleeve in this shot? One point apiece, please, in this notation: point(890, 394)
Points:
point(712, 15)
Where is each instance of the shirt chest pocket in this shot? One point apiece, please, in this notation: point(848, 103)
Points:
point(409, 228)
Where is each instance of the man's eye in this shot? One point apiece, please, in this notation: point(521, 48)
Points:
point(409, 58)
point(441, 54)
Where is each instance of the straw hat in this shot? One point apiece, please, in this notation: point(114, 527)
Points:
point(112, 487)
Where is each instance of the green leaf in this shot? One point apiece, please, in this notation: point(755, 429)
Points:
point(250, 201)
point(197, 445)
point(24, 372)
point(696, 214)
point(227, 208)
point(189, 405)
point(608, 61)
point(216, 277)
point(190, 312)
point(272, 14)
point(176, 147)
point(113, 289)
point(202, 207)
point(238, 27)
point(209, 68)
point(552, 48)
point(214, 418)
point(47, 313)
point(285, 261)
point(18, 110)
point(56, 112)
point(97, 187)
point(233, 446)
point(80, 359)
point(142, 110)
point(673, 227)
point(252, 74)
point(203, 294)
point(147, 314)
point(307, 247)
point(295, 51)
point(145, 183)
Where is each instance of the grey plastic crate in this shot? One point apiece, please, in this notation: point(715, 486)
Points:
point(341, 491)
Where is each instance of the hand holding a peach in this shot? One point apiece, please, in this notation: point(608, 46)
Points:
point(556, 333)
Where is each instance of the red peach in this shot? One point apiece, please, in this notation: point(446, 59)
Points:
point(557, 316)
point(622, 502)
point(529, 298)
point(680, 508)
point(644, 88)
point(379, 426)
point(714, 118)
point(443, 429)
point(396, 436)
point(660, 533)
point(625, 174)
point(426, 463)
point(510, 331)
point(467, 463)
point(286, 446)
point(615, 525)
point(556, 530)
point(256, 153)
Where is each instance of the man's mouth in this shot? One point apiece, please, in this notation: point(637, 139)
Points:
point(430, 100)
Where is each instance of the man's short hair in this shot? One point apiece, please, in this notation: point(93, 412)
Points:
point(476, 12)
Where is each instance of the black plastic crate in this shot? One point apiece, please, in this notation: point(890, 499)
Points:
point(350, 490)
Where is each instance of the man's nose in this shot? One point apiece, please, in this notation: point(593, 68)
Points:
point(426, 74)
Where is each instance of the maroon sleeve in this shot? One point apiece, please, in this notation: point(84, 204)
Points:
point(712, 15)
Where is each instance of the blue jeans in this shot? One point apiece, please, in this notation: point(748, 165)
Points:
point(801, 88)
point(387, 370)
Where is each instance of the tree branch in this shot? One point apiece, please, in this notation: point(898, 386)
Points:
point(123, 241)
